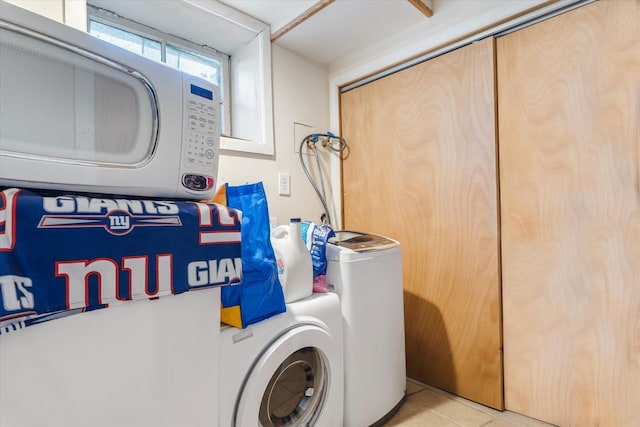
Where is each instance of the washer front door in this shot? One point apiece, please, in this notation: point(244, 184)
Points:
point(292, 382)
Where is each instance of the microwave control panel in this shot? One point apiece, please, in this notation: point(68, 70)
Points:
point(201, 137)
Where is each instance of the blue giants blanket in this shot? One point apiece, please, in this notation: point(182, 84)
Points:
point(65, 254)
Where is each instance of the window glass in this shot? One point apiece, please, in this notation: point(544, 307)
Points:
point(194, 63)
point(132, 42)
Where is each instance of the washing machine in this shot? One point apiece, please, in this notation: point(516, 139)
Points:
point(365, 271)
point(286, 370)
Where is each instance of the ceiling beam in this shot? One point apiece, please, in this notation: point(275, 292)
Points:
point(424, 6)
point(317, 7)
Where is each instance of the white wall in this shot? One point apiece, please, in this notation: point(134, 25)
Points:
point(299, 95)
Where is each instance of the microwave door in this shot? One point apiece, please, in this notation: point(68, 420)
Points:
point(95, 111)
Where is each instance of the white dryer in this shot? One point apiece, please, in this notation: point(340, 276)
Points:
point(365, 271)
point(286, 370)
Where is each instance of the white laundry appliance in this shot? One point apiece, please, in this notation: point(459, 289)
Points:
point(365, 271)
point(144, 363)
point(286, 370)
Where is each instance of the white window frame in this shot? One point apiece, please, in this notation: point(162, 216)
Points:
point(251, 85)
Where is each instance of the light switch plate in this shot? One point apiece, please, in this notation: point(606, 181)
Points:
point(284, 183)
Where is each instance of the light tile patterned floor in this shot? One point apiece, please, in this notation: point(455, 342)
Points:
point(426, 406)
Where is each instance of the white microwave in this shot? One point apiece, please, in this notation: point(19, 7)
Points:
point(79, 114)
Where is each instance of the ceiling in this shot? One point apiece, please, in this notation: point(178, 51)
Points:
point(340, 28)
point(346, 32)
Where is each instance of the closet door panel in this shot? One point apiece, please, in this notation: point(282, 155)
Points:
point(422, 170)
point(568, 102)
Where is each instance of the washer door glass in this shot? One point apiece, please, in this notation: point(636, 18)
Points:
point(296, 391)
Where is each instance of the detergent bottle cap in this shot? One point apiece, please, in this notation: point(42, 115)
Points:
point(296, 220)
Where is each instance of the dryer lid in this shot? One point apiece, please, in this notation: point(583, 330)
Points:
point(361, 242)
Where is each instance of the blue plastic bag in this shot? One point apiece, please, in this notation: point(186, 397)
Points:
point(259, 295)
point(316, 237)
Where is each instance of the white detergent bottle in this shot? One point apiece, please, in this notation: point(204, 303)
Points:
point(295, 269)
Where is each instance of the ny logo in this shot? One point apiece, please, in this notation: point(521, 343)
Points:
point(119, 222)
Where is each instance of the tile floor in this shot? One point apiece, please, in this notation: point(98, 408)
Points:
point(426, 406)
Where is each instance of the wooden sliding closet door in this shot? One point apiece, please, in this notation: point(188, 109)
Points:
point(422, 170)
point(569, 109)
